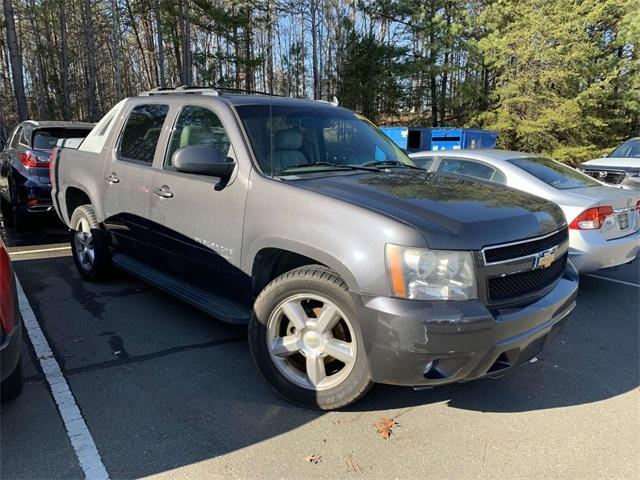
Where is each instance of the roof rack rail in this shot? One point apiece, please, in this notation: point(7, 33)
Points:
point(194, 89)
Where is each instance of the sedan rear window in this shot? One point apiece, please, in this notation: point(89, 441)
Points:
point(47, 139)
point(554, 173)
point(629, 149)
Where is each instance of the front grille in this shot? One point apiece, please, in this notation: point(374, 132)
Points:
point(523, 283)
point(607, 176)
point(508, 252)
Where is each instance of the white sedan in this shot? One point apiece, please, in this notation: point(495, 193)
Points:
point(604, 221)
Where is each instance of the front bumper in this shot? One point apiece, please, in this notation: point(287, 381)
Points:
point(419, 343)
point(589, 251)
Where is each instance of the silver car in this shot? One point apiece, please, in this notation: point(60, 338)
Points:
point(604, 221)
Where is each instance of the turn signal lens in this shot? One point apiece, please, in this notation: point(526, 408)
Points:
point(591, 219)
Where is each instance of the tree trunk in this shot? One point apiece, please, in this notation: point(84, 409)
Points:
point(163, 82)
point(186, 43)
point(269, 46)
point(314, 50)
point(16, 60)
point(115, 38)
point(90, 45)
point(64, 61)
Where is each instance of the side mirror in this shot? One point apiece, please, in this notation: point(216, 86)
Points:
point(202, 160)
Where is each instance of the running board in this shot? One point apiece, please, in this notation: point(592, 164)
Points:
point(216, 306)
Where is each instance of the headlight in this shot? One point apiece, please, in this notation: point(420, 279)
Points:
point(431, 274)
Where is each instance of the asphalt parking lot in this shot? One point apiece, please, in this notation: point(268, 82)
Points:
point(167, 391)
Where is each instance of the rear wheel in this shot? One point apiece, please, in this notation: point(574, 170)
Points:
point(306, 341)
point(13, 218)
point(89, 244)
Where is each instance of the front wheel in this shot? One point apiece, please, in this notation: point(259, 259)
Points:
point(89, 244)
point(306, 341)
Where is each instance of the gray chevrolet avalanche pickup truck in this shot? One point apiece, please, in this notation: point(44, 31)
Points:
point(349, 264)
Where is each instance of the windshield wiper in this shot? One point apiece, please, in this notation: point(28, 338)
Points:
point(329, 164)
point(391, 163)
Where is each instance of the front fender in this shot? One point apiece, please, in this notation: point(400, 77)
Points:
point(335, 264)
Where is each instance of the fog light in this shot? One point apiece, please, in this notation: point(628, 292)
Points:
point(32, 202)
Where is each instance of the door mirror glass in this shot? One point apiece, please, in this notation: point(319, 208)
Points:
point(202, 160)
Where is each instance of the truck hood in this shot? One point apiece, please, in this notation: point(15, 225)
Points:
point(614, 162)
point(451, 212)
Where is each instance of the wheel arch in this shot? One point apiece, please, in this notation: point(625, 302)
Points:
point(75, 197)
point(271, 261)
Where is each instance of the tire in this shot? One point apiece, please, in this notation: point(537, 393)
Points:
point(13, 218)
point(11, 387)
point(89, 245)
point(7, 213)
point(309, 295)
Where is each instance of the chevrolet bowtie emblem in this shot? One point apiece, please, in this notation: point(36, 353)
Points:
point(545, 259)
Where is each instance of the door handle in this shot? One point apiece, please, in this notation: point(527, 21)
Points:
point(112, 178)
point(163, 192)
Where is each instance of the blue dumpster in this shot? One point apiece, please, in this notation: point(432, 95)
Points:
point(413, 139)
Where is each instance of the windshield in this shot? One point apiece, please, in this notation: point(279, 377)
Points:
point(294, 139)
point(554, 173)
point(47, 139)
point(629, 149)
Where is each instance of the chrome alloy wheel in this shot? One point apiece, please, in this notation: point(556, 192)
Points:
point(311, 342)
point(83, 239)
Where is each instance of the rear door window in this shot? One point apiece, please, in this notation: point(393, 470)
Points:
point(471, 169)
point(141, 133)
point(424, 162)
point(198, 126)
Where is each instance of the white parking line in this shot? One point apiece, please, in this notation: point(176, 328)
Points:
point(614, 280)
point(40, 250)
point(77, 430)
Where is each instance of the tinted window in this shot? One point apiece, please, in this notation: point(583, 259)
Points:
point(629, 149)
point(471, 169)
point(141, 133)
point(297, 139)
point(198, 126)
point(47, 139)
point(555, 174)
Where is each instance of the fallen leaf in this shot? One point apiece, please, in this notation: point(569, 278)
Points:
point(315, 459)
point(384, 426)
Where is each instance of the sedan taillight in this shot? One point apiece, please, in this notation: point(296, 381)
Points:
point(591, 219)
point(7, 304)
point(29, 159)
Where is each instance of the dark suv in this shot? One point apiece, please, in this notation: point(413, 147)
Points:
point(349, 263)
point(25, 187)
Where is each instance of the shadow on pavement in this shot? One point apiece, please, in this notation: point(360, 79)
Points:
point(44, 230)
